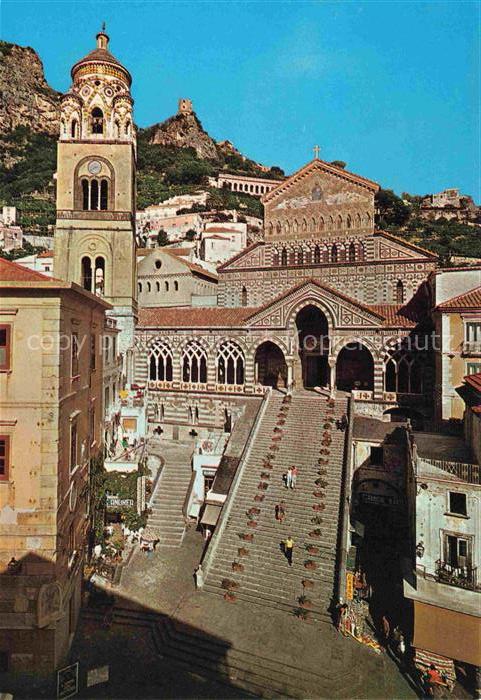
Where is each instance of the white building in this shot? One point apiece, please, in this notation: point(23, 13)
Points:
point(154, 216)
point(220, 241)
point(40, 262)
point(444, 501)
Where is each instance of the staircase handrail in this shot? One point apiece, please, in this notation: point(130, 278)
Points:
point(345, 501)
point(227, 507)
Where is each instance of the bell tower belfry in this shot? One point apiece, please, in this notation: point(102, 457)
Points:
point(96, 170)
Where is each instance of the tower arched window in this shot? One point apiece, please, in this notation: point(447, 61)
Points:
point(157, 286)
point(399, 292)
point(352, 252)
point(86, 265)
point(97, 121)
point(160, 362)
point(100, 275)
point(317, 255)
point(85, 194)
point(117, 129)
point(321, 224)
point(94, 194)
point(295, 226)
point(74, 128)
point(176, 286)
point(304, 225)
point(140, 287)
point(339, 222)
point(104, 195)
point(334, 254)
point(230, 364)
point(284, 257)
point(149, 287)
point(128, 126)
point(348, 221)
point(244, 297)
point(313, 225)
point(194, 364)
point(300, 256)
point(278, 227)
point(358, 221)
point(287, 227)
point(167, 286)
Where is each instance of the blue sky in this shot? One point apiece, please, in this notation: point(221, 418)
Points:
point(392, 88)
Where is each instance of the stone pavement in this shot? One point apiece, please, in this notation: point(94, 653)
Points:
point(168, 640)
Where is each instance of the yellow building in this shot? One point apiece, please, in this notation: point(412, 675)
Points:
point(457, 337)
point(51, 426)
point(96, 161)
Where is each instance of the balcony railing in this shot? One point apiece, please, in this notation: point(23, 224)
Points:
point(460, 576)
point(472, 347)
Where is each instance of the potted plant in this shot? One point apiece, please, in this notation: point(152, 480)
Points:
point(322, 483)
point(263, 486)
point(228, 585)
point(302, 614)
point(322, 471)
point(247, 536)
point(315, 534)
point(309, 564)
point(242, 552)
point(281, 421)
point(230, 597)
point(267, 465)
point(251, 523)
point(318, 507)
point(277, 430)
point(274, 448)
point(304, 601)
point(327, 426)
point(276, 437)
point(259, 497)
point(318, 494)
point(311, 549)
point(323, 451)
point(316, 520)
point(265, 475)
point(307, 583)
point(236, 566)
point(253, 511)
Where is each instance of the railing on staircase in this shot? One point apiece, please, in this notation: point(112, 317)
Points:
point(227, 507)
point(345, 506)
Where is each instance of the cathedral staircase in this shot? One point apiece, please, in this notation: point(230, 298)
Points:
point(298, 430)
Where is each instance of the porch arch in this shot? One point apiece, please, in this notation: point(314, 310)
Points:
point(355, 368)
point(270, 367)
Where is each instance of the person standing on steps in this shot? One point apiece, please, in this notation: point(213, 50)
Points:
point(280, 511)
point(288, 549)
point(289, 478)
point(294, 473)
point(199, 577)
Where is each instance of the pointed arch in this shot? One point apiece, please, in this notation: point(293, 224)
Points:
point(399, 292)
point(334, 253)
point(300, 256)
point(160, 362)
point(97, 121)
point(339, 222)
point(194, 363)
point(352, 252)
point(230, 364)
point(284, 257)
point(244, 296)
point(321, 223)
point(317, 254)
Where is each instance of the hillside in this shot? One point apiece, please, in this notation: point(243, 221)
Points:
point(174, 156)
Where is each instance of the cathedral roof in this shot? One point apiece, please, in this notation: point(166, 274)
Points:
point(188, 317)
point(469, 301)
point(406, 244)
point(319, 165)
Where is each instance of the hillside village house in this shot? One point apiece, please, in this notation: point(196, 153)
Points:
point(51, 420)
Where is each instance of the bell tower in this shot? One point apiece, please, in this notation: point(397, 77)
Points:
point(96, 170)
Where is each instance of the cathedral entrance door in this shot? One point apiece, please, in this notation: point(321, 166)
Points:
point(270, 365)
point(313, 342)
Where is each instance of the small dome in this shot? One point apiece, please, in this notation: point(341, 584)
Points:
point(101, 54)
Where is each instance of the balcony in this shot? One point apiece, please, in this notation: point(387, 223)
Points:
point(459, 576)
point(472, 348)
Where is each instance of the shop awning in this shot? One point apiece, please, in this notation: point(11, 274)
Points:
point(448, 633)
point(210, 515)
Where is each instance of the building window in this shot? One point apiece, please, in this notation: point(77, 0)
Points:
point(230, 364)
point(149, 287)
point(176, 286)
point(73, 446)
point(194, 364)
point(166, 286)
point(352, 252)
point(93, 352)
point(97, 121)
point(73, 128)
point(457, 503)
point(140, 287)
point(95, 194)
point(473, 368)
point(284, 257)
point(244, 297)
point(157, 286)
point(399, 292)
point(160, 362)
point(4, 457)
point(457, 553)
point(5, 347)
point(74, 356)
point(317, 255)
point(334, 254)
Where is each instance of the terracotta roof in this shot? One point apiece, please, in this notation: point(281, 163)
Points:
point(187, 317)
point(474, 381)
point(217, 238)
point(396, 315)
point(145, 251)
point(45, 254)
point(197, 269)
point(468, 301)
point(413, 246)
point(222, 229)
point(317, 164)
point(16, 276)
point(180, 251)
point(12, 272)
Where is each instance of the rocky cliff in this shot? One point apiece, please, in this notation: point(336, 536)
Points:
point(184, 131)
point(26, 99)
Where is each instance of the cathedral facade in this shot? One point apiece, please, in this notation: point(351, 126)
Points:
point(324, 301)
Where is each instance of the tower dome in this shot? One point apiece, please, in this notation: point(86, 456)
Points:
point(101, 61)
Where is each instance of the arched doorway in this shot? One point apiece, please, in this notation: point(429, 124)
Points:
point(313, 337)
point(270, 365)
point(355, 368)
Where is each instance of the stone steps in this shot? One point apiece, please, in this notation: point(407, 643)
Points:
point(267, 578)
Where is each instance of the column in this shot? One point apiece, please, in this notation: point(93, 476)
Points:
point(378, 378)
point(332, 374)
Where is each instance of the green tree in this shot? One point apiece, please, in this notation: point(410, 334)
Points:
point(162, 238)
point(392, 210)
point(190, 235)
